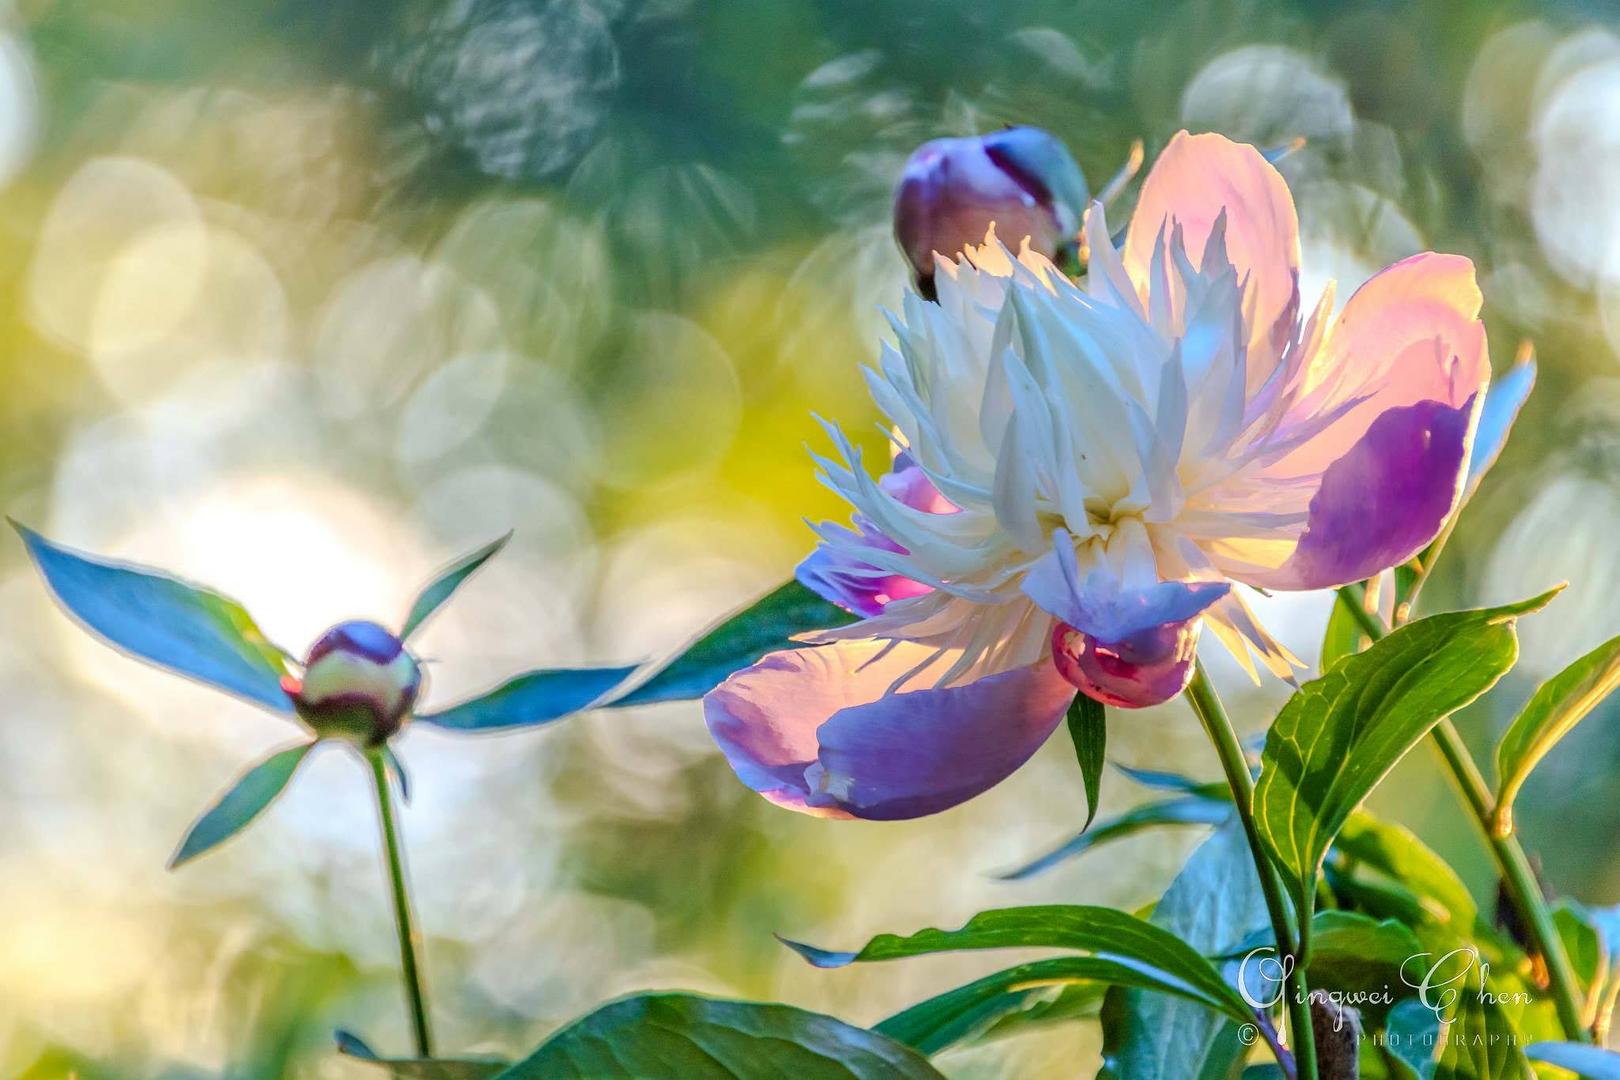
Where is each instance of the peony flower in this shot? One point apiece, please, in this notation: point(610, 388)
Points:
point(359, 683)
point(1102, 463)
point(1021, 178)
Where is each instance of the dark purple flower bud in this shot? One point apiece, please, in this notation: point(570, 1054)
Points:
point(1022, 179)
point(1148, 667)
point(359, 684)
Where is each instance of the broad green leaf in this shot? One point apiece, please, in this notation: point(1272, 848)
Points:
point(530, 700)
point(1353, 953)
point(1584, 945)
point(1412, 1040)
point(1213, 903)
point(1088, 729)
point(449, 580)
point(1480, 1044)
point(186, 629)
point(1187, 810)
point(539, 697)
point(1341, 733)
point(245, 800)
point(463, 1068)
point(1552, 712)
point(1099, 931)
point(1343, 637)
point(699, 1038)
point(1586, 1061)
point(766, 625)
point(1394, 851)
point(967, 1012)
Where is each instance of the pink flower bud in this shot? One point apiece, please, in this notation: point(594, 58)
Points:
point(1146, 668)
point(359, 684)
point(1021, 179)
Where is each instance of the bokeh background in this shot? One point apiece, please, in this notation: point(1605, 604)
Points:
point(305, 297)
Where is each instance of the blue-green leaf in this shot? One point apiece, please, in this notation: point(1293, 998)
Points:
point(448, 581)
point(1586, 1061)
point(1551, 713)
point(1213, 903)
point(1088, 730)
point(245, 800)
point(189, 630)
point(530, 700)
point(551, 694)
point(1412, 1039)
point(1187, 810)
point(1341, 733)
point(699, 1038)
point(768, 624)
point(1098, 931)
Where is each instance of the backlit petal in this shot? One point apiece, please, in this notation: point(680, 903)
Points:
point(819, 730)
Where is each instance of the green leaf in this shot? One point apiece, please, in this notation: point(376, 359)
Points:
point(466, 1068)
point(1088, 728)
point(1356, 954)
point(1394, 851)
point(539, 697)
point(245, 800)
point(1100, 931)
point(448, 581)
point(1587, 1061)
point(186, 629)
point(967, 1012)
point(766, 625)
point(699, 1038)
point(1213, 903)
point(1583, 943)
point(1341, 733)
point(1344, 635)
point(1412, 1040)
point(530, 700)
point(1187, 810)
point(1552, 712)
point(1479, 1044)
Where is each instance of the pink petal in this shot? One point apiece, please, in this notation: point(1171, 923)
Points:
point(1196, 178)
point(1146, 668)
point(817, 730)
point(1409, 345)
point(1381, 503)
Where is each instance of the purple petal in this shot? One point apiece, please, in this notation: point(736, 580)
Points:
point(1384, 500)
point(819, 731)
point(1101, 606)
point(1148, 667)
point(842, 577)
point(853, 585)
point(951, 192)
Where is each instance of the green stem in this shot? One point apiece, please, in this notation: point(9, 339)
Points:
point(1517, 876)
point(1207, 704)
point(403, 921)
